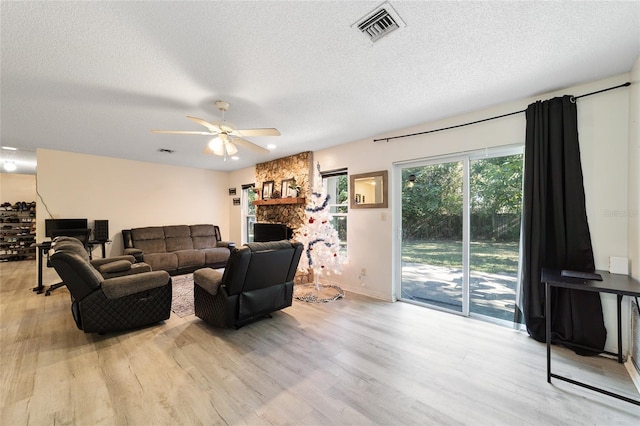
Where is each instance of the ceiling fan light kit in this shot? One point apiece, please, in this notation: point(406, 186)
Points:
point(226, 136)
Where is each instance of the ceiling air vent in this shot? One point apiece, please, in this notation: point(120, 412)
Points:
point(380, 22)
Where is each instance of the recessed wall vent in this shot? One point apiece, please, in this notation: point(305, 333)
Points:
point(379, 22)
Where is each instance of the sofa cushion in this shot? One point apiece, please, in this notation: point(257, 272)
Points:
point(147, 233)
point(162, 261)
point(179, 243)
point(203, 231)
point(188, 258)
point(149, 239)
point(204, 242)
point(176, 231)
point(215, 255)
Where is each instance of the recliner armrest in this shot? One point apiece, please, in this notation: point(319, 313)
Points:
point(97, 263)
point(126, 285)
point(113, 267)
point(208, 279)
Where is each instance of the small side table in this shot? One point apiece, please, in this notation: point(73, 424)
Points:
point(620, 285)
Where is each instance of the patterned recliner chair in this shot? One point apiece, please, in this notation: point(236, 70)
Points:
point(257, 280)
point(102, 304)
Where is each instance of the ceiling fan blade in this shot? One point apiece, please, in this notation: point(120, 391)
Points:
point(270, 131)
point(250, 145)
point(182, 132)
point(212, 127)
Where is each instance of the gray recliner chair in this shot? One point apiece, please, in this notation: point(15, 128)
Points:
point(257, 281)
point(121, 302)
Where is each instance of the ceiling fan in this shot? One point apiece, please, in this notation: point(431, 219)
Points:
point(225, 135)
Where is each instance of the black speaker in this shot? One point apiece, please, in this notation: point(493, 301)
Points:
point(101, 231)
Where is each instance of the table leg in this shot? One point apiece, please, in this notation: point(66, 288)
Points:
point(547, 316)
point(619, 328)
point(39, 288)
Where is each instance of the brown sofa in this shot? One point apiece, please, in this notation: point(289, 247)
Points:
point(177, 249)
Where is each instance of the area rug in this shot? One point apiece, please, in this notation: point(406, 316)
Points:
point(182, 295)
point(324, 293)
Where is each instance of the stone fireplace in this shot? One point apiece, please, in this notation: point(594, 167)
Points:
point(289, 211)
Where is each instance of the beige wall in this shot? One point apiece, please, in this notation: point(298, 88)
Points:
point(236, 180)
point(128, 193)
point(17, 187)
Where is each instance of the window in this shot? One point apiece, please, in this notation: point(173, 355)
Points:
point(336, 184)
point(248, 212)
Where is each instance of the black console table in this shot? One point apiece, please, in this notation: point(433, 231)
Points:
point(45, 246)
point(620, 285)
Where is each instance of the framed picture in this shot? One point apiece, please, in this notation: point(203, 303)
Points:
point(236, 201)
point(267, 189)
point(232, 191)
point(287, 191)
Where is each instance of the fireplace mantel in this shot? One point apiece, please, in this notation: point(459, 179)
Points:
point(279, 201)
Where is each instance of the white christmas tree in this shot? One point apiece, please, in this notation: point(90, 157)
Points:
point(320, 239)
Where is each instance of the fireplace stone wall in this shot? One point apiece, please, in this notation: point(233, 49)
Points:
point(297, 166)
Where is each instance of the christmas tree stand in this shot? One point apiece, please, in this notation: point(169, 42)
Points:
point(316, 292)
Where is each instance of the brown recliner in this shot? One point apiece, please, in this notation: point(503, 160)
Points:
point(257, 281)
point(102, 304)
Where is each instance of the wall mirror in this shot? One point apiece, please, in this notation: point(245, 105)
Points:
point(368, 190)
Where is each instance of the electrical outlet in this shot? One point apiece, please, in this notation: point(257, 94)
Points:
point(363, 272)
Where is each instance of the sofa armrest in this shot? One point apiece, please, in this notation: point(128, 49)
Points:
point(136, 253)
point(114, 288)
point(97, 263)
point(228, 244)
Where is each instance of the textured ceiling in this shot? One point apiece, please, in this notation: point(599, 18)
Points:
point(96, 77)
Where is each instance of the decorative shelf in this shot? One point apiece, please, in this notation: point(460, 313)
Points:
point(279, 201)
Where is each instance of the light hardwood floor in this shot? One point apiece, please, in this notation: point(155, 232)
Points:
point(353, 361)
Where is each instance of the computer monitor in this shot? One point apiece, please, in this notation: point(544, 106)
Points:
point(56, 227)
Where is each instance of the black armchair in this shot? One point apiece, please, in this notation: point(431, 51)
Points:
point(118, 303)
point(257, 280)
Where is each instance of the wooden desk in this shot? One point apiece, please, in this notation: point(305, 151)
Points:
point(620, 285)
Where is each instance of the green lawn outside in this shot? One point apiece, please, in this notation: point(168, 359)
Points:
point(486, 257)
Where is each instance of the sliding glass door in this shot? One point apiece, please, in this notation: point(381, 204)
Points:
point(432, 225)
point(495, 209)
point(460, 232)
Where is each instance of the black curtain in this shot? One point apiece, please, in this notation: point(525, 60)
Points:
point(555, 229)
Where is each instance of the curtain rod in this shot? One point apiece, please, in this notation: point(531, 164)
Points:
point(573, 99)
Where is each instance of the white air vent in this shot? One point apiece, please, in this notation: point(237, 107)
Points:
point(380, 22)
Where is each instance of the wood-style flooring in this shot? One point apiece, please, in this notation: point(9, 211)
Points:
point(354, 361)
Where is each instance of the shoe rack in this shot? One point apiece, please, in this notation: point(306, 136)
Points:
point(17, 231)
